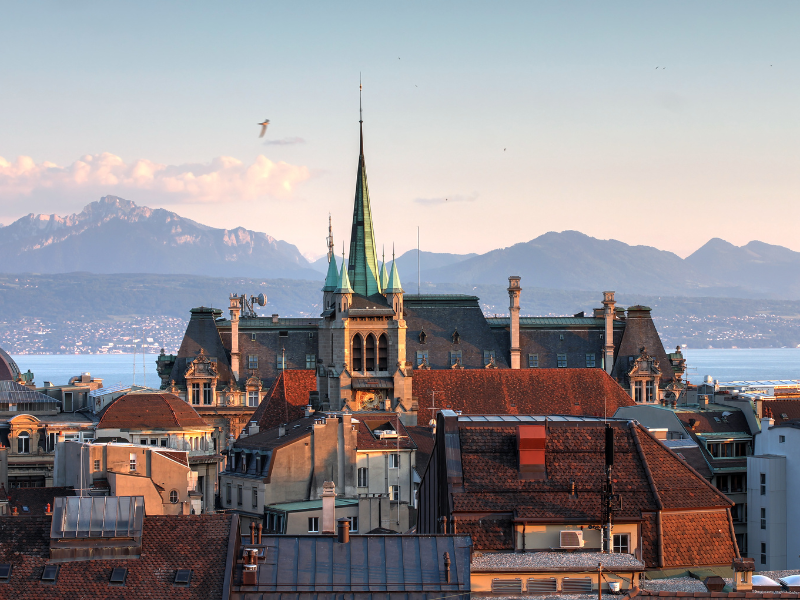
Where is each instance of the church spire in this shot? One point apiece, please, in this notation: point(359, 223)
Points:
point(384, 274)
point(363, 261)
point(394, 287)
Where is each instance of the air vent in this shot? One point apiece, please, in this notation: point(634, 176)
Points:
point(506, 586)
point(571, 539)
point(576, 585)
point(542, 586)
point(183, 576)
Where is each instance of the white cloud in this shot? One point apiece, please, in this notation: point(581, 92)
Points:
point(224, 179)
point(285, 141)
point(446, 199)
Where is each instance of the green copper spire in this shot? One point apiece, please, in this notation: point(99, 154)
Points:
point(394, 287)
point(363, 265)
point(344, 280)
point(332, 278)
point(384, 275)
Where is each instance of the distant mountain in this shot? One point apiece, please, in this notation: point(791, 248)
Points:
point(115, 235)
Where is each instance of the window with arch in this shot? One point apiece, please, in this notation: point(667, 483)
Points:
point(24, 442)
point(369, 353)
point(357, 353)
point(173, 496)
point(383, 353)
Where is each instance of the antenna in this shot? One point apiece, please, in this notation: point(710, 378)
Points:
point(418, 273)
point(360, 115)
point(329, 240)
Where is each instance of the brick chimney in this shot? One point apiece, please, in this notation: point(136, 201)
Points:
point(328, 508)
point(513, 309)
point(609, 305)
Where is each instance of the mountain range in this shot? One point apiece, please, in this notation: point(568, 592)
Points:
point(114, 235)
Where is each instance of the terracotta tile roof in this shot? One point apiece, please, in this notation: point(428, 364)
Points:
point(519, 391)
point(706, 420)
point(150, 411)
point(790, 408)
point(180, 457)
point(695, 458)
point(196, 542)
point(286, 399)
point(697, 538)
point(36, 498)
point(270, 438)
point(424, 439)
point(488, 534)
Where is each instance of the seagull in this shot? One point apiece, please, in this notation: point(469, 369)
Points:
point(263, 127)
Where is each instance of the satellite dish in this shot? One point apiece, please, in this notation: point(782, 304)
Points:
point(262, 300)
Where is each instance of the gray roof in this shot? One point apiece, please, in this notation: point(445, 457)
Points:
point(394, 566)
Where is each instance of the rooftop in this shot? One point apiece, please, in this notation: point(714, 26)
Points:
point(150, 411)
point(286, 399)
point(311, 505)
point(502, 561)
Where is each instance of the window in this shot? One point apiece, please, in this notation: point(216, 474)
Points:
point(252, 337)
point(183, 576)
point(280, 361)
point(488, 357)
point(763, 484)
point(283, 334)
point(533, 361)
point(271, 521)
point(722, 483)
point(239, 495)
point(729, 449)
point(195, 393)
point(781, 439)
point(455, 357)
point(394, 493)
point(763, 518)
point(383, 353)
point(208, 393)
point(255, 497)
point(650, 389)
point(5, 572)
point(369, 353)
point(153, 442)
point(143, 441)
point(622, 543)
point(68, 404)
point(363, 477)
point(133, 461)
point(24, 442)
point(50, 573)
point(311, 361)
point(313, 524)
point(173, 496)
point(394, 461)
point(353, 524)
point(279, 524)
point(358, 364)
point(561, 338)
point(252, 398)
point(163, 442)
point(228, 493)
point(252, 361)
point(763, 553)
point(561, 361)
point(590, 361)
point(738, 482)
point(97, 465)
point(422, 356)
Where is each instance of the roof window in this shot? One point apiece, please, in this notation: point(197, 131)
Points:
point(784, 416)
point(50, 573)
point(283, 334)
point(118, 575)
point(183, 576)
point(5, 572)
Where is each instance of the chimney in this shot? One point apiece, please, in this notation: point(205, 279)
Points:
point(275, 318)
point(260, 528)
point(531, 441)
point(281, 430)
point(609, 312)
point(252, 532)
point(309, 410)
point(343, 530)
point(513, 310)
point(743, 574)
point(250, 572)
point(328, 507)
point(253, 428)
point(447, 567)
point(235, 310)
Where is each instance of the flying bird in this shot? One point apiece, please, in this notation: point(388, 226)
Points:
point(263, 127)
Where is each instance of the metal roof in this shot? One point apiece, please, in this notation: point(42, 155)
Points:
point(97, 517)
point(311, 505)
point(16, 397)
point(531, 322)
point(119, 387)
point(394, 566)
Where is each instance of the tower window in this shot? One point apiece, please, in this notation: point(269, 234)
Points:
point(383, 351)
point(311, 361)
point(369, 353)
point(357, 353)
point(252, 361)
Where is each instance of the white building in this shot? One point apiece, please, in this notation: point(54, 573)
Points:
point(773, 485)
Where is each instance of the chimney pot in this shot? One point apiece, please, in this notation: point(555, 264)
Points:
point(281, 430)
point(447, 567)
point(260, 527)
point(252, 532)
point(343, 531)
point(328, 507)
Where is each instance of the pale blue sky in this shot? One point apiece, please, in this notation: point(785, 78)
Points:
point(596, 138)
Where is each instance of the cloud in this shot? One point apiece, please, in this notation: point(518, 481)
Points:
point(224, 179)
point(446, 199)
point(285, 141)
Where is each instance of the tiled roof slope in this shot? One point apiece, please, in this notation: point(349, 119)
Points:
point(790, 408)
point(201, 332)
point(196, 542)
point(647, 475)
point(730, 420)
point(367, 440)
point(588, 392)
point(640, 331)
point(269, 439)
point(150, 411)
point(36, 499)
point(287, 399)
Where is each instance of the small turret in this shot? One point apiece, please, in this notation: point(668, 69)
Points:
point(332, 278)
point(394, 291)
point(344, 293)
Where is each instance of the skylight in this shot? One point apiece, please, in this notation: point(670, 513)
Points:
point(97, 517)
point(118, 575)
point(5, 572)
point(183, 576)
point(50, 573)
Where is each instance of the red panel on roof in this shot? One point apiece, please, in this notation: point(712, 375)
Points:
point(531, 440)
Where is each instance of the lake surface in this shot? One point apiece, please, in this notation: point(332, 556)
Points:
point(722, 364)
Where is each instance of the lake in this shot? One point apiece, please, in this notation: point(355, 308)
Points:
point(722, 364)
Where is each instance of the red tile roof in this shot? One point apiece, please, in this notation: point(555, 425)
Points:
point(790, 408)
point(36, 499)
point(286, 399)
point(587, 392)
point(696, 538)
point(196, 542)
point(150, 411)
point(706, 421)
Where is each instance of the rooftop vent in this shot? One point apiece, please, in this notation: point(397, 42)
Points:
point(118, 575)
point(569, 538)
point(531, 441)
point(183, 576)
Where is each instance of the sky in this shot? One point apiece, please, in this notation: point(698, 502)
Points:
point(485, 124)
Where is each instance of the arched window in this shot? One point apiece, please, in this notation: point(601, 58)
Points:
point(383, 350)
point(357, 355)
point(369, 353)
point(24, 442)
point(173, 496)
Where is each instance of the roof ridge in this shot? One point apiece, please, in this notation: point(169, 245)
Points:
point(172, 410)
point(633, 426)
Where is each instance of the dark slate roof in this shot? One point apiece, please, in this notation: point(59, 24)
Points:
point(424, 439)
point(286, 399)
point(731, 420)
point(640, 331)
point(196, 542)
point(367, 440)
point(518, 391)
point(201, 332)
point(270, 439)
point(439, 317)
point(9, 370)
point(36, 499)
point(150, 411)
point(396, 567)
